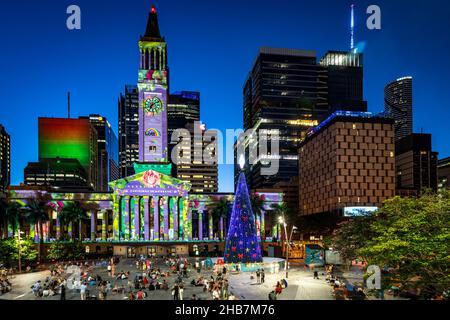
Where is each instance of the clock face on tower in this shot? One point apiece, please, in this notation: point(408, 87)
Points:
point(153, 106)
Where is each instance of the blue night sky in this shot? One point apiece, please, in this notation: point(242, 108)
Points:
point(212, 46)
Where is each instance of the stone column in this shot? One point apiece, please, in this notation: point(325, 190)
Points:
point(93, 215)
point(210, 226)
point(175, 218)
point(58, 227)
point(105, 225)
point(164, 59)
point(69, 230)
point(221, 229)
point(166, 218)
point(126, 217)
point(116, 217)
point(181, 217)
point(137, 219)
point(189, 219)
point(146, 219)
point(156, 218)
point(200, 225)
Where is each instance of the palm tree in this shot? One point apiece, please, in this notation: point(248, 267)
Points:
point(220, 210)
point(279, 210)
point(257, 203)
point(11, 215)
point(36, 213)
point(73, 213)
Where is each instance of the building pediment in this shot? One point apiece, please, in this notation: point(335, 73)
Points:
point(150, 183)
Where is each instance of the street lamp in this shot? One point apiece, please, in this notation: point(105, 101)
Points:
point(288, 242)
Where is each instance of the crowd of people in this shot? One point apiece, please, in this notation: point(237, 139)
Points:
point(341, 289)
point(217, 285)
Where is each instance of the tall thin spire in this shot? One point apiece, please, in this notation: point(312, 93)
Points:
point(352, 28)
point(152, 30)
point(68, 104)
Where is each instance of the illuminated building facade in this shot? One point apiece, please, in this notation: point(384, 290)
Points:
point(398, 104)
point(64, 174)
point(153, 93)
point(192, 166)
point(286, 90)
point(128, 130)
point(5, 158)
point(76, 139)
point(416, 164)
point(107, 148)
point(183, 108)
point(345, 80)
point(347, 162)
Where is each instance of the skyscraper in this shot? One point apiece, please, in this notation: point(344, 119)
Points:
point(345, 80)
point(286, 90)
point(416, 164)
point(398, 103)
point(5, 158)
point(107, 154)
point(184, 113)
point(183, 108)
point(62, 174)
point(128, 130)
point(65, 144)
point(193, 167)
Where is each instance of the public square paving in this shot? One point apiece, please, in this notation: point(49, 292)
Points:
point(301, 285)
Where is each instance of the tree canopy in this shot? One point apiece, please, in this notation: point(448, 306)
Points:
point(409, 238)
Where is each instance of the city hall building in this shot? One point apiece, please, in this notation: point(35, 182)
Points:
point(149, 212)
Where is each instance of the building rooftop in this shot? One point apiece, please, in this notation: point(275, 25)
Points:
point(348, 116)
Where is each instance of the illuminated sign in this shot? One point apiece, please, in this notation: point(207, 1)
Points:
point(359, 211)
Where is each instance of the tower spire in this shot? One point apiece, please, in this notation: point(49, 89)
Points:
point(152, 30)
point(352, 27)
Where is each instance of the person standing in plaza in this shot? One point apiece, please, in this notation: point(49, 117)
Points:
point(83, 291)
point(258, 276)
point(181, 291)
point(176, 292)
point(63, 292)
point(263, 276)
point(113, 270)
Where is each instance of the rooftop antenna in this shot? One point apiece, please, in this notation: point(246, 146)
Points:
point(68, 104)
point(352, 28)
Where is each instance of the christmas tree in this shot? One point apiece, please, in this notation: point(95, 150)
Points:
point(242, 244)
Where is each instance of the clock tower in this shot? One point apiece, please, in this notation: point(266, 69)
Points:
point(153, 93)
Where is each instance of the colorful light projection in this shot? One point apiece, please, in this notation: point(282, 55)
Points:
point(149, 197)
point(152, 132)
point(65, 138)
point(242, 243)
point(152, 124)
point(152, 85)
point(146, 226)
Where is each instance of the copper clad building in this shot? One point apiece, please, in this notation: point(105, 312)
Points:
point(347, 163)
